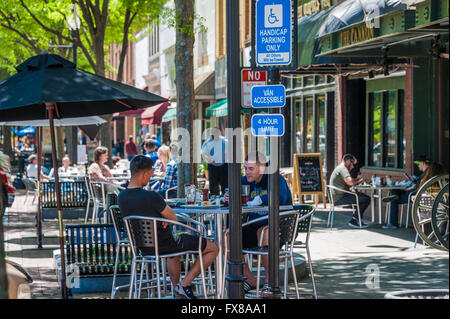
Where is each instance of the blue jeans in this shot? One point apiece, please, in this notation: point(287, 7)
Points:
point(349, 199)
point(402, 199)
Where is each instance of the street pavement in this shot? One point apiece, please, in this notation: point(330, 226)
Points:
point(348, 263)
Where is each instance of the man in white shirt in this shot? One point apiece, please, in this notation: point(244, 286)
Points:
point(32, 168)
point(213, 152)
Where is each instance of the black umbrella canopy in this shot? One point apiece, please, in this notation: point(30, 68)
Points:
point(49, 78)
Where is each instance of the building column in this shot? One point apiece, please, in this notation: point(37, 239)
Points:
point(340, 117)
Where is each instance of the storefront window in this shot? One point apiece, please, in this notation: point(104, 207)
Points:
point(309, 114)
point(308, 80)
point(299, 126)
point(390, 131)
point(320, 79)
point(386, 129)
point(377, 106)
point(322, 128)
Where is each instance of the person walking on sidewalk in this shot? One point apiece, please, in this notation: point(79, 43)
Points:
point(131, 149)
point(213, 152)
point(342, 179)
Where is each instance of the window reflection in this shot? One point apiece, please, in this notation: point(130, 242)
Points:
point(309, 109)
point(390, 132)
point(299, 126)
point(376, 128)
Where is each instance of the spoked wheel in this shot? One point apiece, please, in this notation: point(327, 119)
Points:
point(423, 207)
point(439, 217)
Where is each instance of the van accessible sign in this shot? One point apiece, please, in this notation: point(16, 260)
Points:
point(268, 96)
point(273, 32)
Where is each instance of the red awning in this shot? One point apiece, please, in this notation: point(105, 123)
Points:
point(131, 112)
point(154, 114)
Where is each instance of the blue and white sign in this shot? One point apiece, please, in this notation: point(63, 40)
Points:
point(268, 96)
point(268, 125)
point(273, 32)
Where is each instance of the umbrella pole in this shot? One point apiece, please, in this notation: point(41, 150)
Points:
point(39, 164)
point(50, 107)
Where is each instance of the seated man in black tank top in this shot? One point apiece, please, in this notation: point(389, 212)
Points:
point(135, 200)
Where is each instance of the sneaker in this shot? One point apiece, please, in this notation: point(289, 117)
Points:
point(355, 224)
point(185, 292)
point(389, 226)
point(247, 287)
point(391, 198)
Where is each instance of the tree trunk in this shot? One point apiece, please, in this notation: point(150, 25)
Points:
point(7, 148)
point(3, 279)
point(184, 62)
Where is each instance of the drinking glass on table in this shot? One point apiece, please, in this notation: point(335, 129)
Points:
point(245, 194)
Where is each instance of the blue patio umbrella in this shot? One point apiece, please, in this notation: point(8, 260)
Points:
point(27, 130)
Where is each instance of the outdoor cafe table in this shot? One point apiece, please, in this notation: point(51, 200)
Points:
point(376, 191)
point(219, 212)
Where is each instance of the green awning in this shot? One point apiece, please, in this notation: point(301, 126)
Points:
point(221, 109)
point(218, 109)
point(170, 115)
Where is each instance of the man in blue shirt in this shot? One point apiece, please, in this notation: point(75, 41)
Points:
point(150, 149)
point(213, 153)
point(257, 177)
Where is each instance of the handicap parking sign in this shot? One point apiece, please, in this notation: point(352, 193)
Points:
point(273, 32)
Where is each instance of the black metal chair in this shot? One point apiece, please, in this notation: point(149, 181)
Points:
point(143, 234)
point(122, 241)
point(302, 239)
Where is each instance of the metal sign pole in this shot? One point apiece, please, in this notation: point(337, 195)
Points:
point(274, 205)
point(235, 276)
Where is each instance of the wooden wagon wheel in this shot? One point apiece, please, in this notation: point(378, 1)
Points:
point(439, 217)
point(422, 210)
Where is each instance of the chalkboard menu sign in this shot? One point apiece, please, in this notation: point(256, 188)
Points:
point(308, 174)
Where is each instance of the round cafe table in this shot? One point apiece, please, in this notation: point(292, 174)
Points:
point(219, 213)
point(376, 192)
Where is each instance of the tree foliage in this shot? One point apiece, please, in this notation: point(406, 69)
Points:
point(27, 27)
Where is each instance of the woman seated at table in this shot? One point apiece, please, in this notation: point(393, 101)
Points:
point(99, 171)
point(163, 159)
point(171, 175)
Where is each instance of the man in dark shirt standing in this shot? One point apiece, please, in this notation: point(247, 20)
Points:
point(136, 201)
point(130, 148)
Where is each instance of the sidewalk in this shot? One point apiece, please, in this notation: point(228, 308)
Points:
point(348, 263)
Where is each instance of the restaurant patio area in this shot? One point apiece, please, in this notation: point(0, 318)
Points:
point(348, 263)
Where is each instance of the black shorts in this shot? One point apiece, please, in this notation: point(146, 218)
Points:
point(250, 234)
point(182, 242)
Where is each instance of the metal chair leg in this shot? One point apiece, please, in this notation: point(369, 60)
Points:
point(116, 265)
point(133, 277)
point(308, 254)
point(294, 274)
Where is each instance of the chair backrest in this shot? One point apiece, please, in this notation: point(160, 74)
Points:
point(143, 234)
point(88, 186)
point(306, 213)
point(288, 222)
point(98, 191)
point(117, 219)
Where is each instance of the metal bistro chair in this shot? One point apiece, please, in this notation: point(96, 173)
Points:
point(287, 233)
point(408, 205)
point(122, 241)
point(100, 190)
point(143, 234)
point(304, 231)
point(90, 198)
point(30, 187)
point(332, 204)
